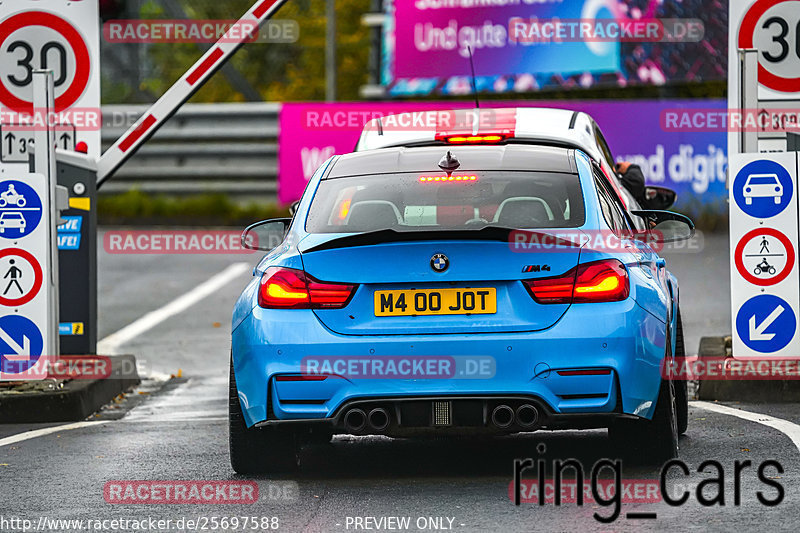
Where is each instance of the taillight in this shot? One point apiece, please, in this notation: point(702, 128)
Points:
point(288, 288)
point(557, 290)
point(599, 281)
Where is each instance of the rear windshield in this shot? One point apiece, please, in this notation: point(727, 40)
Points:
point(462, 201)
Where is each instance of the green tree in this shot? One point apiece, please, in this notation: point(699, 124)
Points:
point(277, 71)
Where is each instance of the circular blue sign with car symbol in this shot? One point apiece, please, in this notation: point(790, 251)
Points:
point(763, 189)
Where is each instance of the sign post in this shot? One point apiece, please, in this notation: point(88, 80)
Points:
point(764, 268)
point(29, 205)
point(763, 94)
point(61, 36)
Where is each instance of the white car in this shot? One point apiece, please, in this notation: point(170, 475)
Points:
point(762, 186)
point(13, 219)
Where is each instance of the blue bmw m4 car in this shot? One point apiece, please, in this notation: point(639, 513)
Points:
point(456, 290)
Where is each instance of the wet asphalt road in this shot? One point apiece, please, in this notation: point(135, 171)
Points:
point(178, 431)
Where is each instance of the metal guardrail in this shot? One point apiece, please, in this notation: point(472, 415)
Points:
point(227, 148)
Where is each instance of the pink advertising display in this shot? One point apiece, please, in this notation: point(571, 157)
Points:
point(690, 160)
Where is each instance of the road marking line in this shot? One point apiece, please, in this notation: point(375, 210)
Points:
point(111, 344)
point(13, 439)
point(789, 429)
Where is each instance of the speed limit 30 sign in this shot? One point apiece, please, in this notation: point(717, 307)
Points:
point(57, 35)
point(773, 28)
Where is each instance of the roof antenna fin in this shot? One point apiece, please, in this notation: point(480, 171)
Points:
point(474, 83)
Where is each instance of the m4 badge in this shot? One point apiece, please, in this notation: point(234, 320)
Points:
point(536, 268)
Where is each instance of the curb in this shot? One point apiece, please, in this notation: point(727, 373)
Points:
point(78, 398)
point(782, 391)
point(742, 390)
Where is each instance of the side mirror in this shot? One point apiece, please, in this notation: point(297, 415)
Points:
point(659, 198)
point(265, 235)
point(293, 208)
point(666, 226)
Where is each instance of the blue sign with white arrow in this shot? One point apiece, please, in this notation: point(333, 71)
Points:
point(766, 323)
point(21, 344)
point(20, 209)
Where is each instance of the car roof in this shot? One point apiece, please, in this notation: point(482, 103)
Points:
point(542, 125)
point(519, 157)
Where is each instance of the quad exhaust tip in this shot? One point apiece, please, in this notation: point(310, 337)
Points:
point(527, 415)
point(378, 419)
point(502, 416)
point(355, 420)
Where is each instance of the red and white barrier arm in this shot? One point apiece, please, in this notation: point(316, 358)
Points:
point(184, 88)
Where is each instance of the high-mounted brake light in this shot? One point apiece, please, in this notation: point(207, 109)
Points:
point(599, 281)
point(478, 126)
point(474, 139)
point(289, 288)
point(427, 179)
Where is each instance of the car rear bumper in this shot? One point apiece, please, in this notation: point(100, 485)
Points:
point(440, 415)
point(622, 341)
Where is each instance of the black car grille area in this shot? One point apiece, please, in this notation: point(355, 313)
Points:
point(440, 413)
point(389, 416)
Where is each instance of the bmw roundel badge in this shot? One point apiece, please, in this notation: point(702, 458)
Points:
point(440, 262)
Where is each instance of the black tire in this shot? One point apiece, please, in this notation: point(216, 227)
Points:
point(257, 450)
point(652, 441)
point(681, 385)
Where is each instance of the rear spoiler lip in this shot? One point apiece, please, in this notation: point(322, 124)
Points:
point(491, 233)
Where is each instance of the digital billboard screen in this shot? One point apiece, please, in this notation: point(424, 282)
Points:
point(530, 45)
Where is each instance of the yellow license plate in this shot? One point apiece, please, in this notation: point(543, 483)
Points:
point(436, 302)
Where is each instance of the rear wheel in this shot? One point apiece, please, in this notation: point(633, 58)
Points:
point(652, 441)
point(257, 450)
